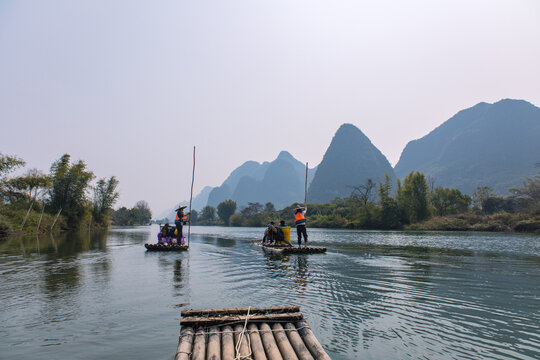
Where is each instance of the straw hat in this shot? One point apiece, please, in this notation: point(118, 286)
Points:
point(181, 207)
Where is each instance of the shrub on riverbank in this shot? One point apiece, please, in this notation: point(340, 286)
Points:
point(501, 222)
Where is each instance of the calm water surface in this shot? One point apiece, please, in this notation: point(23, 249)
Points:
point(390, 295)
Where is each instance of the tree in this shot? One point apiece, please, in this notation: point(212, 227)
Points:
point(208, 214)
point(269, 207)
point(364, 191)
point(487, 200)
point(449, 201)
point(68, 189)
point(226, 209)
point(194, 217)
point(530, 189)
point(413, 197)
point(252, 209)
point(389, 206)
point(105, 195)
point(8, 164)
point(145, 212)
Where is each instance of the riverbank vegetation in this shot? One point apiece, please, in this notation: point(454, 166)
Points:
point(64, 199)
point(412, 204)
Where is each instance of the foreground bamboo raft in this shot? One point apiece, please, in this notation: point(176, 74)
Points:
point(163, 247)
point(264, 333)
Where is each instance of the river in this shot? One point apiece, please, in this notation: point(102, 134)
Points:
point(373, 295)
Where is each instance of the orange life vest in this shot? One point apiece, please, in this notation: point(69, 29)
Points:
point(300, 218)
point(184, 217)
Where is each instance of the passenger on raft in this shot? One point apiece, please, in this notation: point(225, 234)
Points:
point(300, 217)
point(269, 234)
point(179, 221)
point(163, 235)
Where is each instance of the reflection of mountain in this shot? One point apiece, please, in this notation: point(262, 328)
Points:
point(280, 182)
point(351, 159)
point(492, 145)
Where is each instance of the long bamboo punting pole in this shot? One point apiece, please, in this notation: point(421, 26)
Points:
point(227, 343)
point(191, 197)
point(199, 345)
point(241, 342)
point(305, 188)
point(256, 342)
point(297, 343)
point(311, 341)
point(269, 342)
point(287, 351)
point(183, 352)
point(214, 344)
point(244, 310)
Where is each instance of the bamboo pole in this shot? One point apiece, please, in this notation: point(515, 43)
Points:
point(27, 214)
point(214, 344)
point(242, 310)
point(56, 218)
point(305, 188)
point(240, 342)
point(241, 318)
point(40, 217)
point(287, 351)
point(199, 345)
point(191, 197)
point(227, 343)
point(256, 342)
point(297, 343)
point(311, 341)
point(269, 343)
point(185, 343)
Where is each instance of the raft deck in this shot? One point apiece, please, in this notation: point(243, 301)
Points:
point(291, 249)
point(261, 333)
point(163, 247)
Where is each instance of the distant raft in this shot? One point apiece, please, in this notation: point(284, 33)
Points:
point(164, 247)
point(285, 250)
point(260, 333)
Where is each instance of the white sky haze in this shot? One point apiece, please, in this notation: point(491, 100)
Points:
point(131, 86)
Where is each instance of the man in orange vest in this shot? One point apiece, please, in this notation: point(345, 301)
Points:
point(179, 221)
point(300, 217)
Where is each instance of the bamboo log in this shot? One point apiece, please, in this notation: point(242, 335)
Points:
point(241, 343)
point(241, 318)
point(256, 342)
point(191, 198)
point(297, 343)
point(305, 190)
point(27, 214)
point(214, 346)
point(199, 345)
point(56, 218)
point(269, 343)
point(287, 351)
point(243, 310)
point(185, 343)
point(227, 343)
point(311, 341)
point(40, 217)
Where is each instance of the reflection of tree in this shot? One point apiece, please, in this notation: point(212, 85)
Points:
point(60, 277)
point(301, 271)
point(178, 276)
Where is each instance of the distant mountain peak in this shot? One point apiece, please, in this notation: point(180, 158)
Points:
point(285, 155)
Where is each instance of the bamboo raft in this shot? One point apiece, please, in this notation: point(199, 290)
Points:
point(163, 247)
point(285, 250)
point(264, 333)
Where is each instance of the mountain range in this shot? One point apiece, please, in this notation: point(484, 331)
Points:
point(493, 145)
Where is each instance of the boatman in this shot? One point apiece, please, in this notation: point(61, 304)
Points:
point(300, 217)
point(179, 221)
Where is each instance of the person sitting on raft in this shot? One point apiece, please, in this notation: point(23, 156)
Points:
point(300, 217)
point(269, 234)
point(179, 221)
point(163, 235)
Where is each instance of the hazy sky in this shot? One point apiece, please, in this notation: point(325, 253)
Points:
point(131, 86)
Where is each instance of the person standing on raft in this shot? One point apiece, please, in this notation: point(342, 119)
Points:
point(300, 217)
point(179, 221)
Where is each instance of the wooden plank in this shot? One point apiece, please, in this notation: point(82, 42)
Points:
point(241, 318)
point(311, 341)
point(214, 344)
point(256, 342)
point(185, 343)
point(297, 343)
point(287, 351)
point(269, 343)
point(227, 343)
point(243, 310)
